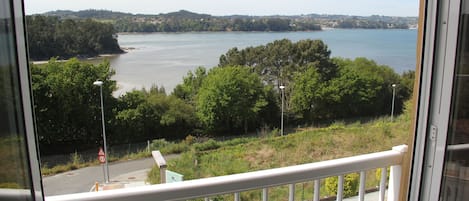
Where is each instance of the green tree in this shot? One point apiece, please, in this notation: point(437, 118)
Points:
point(145, 115)
point(229, 99)
point(190, 85)
point(278, 61)
point(309, 97)
point(361, 88)
point(52, 37)
point(67, 104)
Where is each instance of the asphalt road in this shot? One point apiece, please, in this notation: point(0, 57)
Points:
point(81, 180)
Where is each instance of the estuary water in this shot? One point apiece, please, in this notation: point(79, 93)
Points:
point(164, 58)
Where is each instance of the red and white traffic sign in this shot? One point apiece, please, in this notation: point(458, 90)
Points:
point(101, 156)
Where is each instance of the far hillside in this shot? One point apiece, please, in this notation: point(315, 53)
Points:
point(186, 21)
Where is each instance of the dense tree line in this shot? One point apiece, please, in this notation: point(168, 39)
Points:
point(52, 37)
point(240, 95)
point(367, 24)
point(66, 103)
point(319, 87)
point(211, 24)
point(183, 21)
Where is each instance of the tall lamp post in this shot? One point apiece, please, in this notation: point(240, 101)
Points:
point(393, 98)
point(106, 169)
point(282, 89)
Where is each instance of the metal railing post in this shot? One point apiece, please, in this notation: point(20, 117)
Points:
point(317, 192)
point(394, 182)
point(265, 194)
point(340, 188)
point(382, 183)
point(291, 194)
point(395, 176)
point(237, 197)
point(361, 190)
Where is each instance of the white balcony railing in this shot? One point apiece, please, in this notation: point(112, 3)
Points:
point(204, 188)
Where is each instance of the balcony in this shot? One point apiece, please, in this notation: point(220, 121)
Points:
point(265, 179)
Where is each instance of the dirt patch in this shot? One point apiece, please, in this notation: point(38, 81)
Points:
point(264, 154)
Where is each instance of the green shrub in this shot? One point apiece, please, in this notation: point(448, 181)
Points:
point(190, 139)
point(378, 174)
point(175, 148)
point(208, 145)
point(350, 185)
point(158, 144)
point(76, 159)
point(236, 141)
point(337, 125)
point(166, 147)
point(10, 185)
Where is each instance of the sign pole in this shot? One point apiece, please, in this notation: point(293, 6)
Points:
point(102, 160)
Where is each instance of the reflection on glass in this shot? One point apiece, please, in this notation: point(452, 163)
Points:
point(14, 167)
point(455, 183)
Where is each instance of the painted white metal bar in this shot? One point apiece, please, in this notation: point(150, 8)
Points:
point(394, 183)
point(361, 189)
point(207, 187)
point(382, 183)
point(395, 177)
point(458, 147)
point(291, 192)
point(206, 199)
point(237, 197)
point(265, 194)
point(317, 192)
point(340, 188)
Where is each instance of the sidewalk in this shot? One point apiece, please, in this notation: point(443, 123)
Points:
point(128, 180)
point(373, 196)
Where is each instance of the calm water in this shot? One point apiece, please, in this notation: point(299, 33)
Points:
point(164, 58)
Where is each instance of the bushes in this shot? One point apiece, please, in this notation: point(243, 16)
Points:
point(350, 185)
point(166, 147)
point(208, 145)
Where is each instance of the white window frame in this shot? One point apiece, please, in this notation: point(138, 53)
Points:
point(434, 99)
point(26, 98)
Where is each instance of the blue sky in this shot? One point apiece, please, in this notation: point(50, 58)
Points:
point(230, 7)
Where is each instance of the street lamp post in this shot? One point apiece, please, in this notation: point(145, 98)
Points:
point(282, 89)
point(393, 98)
point(106, 170)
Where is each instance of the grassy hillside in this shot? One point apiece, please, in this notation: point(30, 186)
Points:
point(304, 146)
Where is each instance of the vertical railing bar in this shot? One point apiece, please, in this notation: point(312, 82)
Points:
point(291, 196)
point(382, 184)
point(236, 197)
point(361, 190)
point(394, 182)
point(340, 188)
point(317, 187)
point(265, 194)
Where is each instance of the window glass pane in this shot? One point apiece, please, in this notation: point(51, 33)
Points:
point(15, 177)
point(455, 184)
point(215, 76)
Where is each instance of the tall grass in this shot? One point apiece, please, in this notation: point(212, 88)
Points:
point(311, 145)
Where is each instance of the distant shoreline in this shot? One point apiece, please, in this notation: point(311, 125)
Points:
point(99, 57)
point(322, 29)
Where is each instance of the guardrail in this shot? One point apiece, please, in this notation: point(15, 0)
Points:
point(264, 179)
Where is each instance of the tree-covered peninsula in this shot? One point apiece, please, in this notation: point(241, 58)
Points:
point(65, 38)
